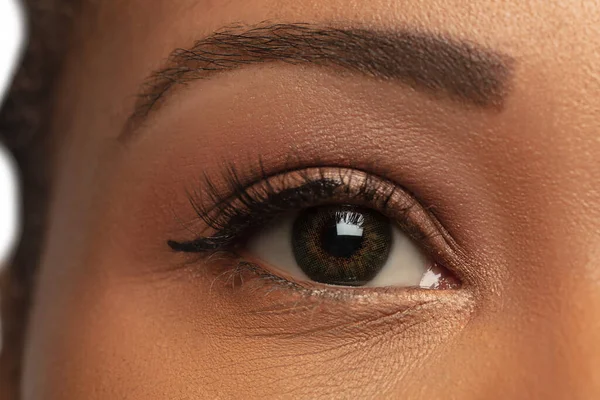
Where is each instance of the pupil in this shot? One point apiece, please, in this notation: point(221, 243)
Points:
point(342, 239)
point(341, 245)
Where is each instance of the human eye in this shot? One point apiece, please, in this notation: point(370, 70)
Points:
point(322, 227)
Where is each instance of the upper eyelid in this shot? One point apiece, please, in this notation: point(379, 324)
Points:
point(238, 182)
point(348, 178)
point(264, 186)
point(238, 191)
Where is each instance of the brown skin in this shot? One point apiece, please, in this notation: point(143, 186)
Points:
point(116, 316)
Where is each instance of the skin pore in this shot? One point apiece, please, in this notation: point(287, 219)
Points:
point(505, 187)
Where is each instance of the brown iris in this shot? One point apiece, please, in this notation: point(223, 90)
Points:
point(341, 245)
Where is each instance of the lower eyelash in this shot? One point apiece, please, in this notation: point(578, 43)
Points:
point(243, 273)
point(235, 276)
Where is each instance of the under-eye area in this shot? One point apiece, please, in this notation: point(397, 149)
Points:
point(327, 229)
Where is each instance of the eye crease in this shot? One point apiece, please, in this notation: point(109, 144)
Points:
point(321, 226)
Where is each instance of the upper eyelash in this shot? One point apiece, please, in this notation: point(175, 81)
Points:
point(229, 220)
point(250, 203)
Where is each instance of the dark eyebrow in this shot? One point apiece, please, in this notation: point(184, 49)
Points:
point(463, 71)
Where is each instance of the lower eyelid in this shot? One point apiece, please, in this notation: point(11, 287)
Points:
point(317, 323)
point(242, 276)
point(327, 311)
point(352, 325)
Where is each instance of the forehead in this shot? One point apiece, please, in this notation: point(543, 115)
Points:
point(499, 22)
point(553, 42)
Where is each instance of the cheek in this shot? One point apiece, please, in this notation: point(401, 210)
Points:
point(183, 332)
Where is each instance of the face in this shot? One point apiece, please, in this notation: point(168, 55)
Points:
point(354, 199)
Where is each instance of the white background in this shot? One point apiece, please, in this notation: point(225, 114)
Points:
point(11, 37)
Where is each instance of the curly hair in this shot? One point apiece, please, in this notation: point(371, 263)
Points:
point(24, 129)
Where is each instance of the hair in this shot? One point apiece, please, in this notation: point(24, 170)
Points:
point(25, 118)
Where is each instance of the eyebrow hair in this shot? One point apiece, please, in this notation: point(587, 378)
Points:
point(463, 71)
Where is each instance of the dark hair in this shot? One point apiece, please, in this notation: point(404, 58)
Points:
point(25, 118)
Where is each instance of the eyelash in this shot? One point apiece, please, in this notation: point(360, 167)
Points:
point(253, 200)
point(233, 216)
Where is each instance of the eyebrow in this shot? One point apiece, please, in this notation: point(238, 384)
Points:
point(461, 70)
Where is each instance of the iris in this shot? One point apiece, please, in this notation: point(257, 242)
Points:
point(341, 245)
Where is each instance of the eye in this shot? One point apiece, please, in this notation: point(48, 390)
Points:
point(345, 245)
point(329, 226)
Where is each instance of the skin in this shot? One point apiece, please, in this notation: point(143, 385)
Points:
point(115, 315)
